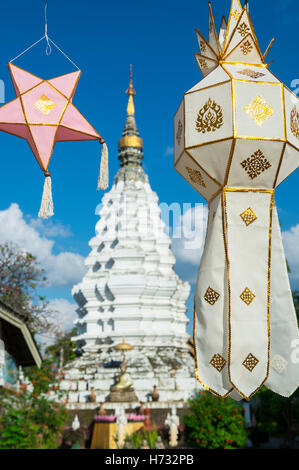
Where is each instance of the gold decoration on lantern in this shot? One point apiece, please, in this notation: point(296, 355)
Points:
point(246, 47)
point(247, 296)
point(295, 122)
point(236, 15)
point(250, 362)
point(248, 216)
point(195, 176)
point(210, 117)
point(203, 46)
point(211, 296)
point(251, 73)
point(179, 132)
point(218, 362)
point(259, 110)
point(256, 164)
point(243, 29)
point(45, 105)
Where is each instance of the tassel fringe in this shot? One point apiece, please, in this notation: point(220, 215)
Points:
point(103, 179)
point(47, 208)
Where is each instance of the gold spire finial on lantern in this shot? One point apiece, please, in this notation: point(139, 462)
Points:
point(131, 92)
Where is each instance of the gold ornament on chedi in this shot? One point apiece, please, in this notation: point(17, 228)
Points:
point(45, 105)
point(209, 118)
point(236, 15)
point(256, 164)
point(259, 110)
point(295, 122)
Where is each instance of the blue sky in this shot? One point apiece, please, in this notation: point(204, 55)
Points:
point(103, 38)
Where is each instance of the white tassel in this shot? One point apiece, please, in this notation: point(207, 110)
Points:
point(103, 180)
point(46, 208)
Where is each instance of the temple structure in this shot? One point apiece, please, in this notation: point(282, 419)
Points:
point(131, 291)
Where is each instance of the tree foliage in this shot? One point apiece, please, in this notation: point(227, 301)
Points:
point(20, 278)
point(214, 423)
point(33, 420)
point(64, 345)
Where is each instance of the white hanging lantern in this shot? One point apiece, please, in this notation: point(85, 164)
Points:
point(236, 140)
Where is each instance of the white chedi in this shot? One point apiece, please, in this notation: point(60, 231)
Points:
point(131, 291)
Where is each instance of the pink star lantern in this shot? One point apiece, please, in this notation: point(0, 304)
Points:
point(43, 114)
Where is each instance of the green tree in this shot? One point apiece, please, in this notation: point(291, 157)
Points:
point(33, 420)
point(65, 345)
point(214, 423)
point(20, 277)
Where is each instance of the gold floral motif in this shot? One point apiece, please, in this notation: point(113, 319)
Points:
point(259, 110)
point(203, 46)
point(211, 296)
point(243, 29)
point(256, 164)
point(203, 63)
point(196, 177)
point(295, 122)
point(179, 132)
point(218, 362)
point(247, 296)
point(251, 73)
point(45, 105)
point(236, 15)
point(209, 118)
point(246, 47)
point(250, 362)
point(248, 216)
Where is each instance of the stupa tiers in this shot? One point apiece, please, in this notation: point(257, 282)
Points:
point(131, 290)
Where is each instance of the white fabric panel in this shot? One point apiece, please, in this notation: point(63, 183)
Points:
point(246, 52)
point(222, 32)
point(242, 72)
point(197, 177)
point(290, 163)
point(270, 109)
point(235, 13)
point(212, 34)
point(243, 28)
point(204, 46)
point(213, 158)
point(206, 65)
point(221, 98)
point(255, 163)
point(284, 364)
point(214, 78)
point(248, 253)
point(210, 325)
point(292, 117)
point(179, 132)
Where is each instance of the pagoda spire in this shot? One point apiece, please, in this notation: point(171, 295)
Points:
point(130, 145)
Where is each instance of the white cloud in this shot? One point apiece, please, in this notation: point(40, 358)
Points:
point(291, 246)
point(188, 241)
point(51, 229)
point(63, 269)
point(66, 313)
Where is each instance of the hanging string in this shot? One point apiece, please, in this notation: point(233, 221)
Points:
point(48, 40)
point(48, 49)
